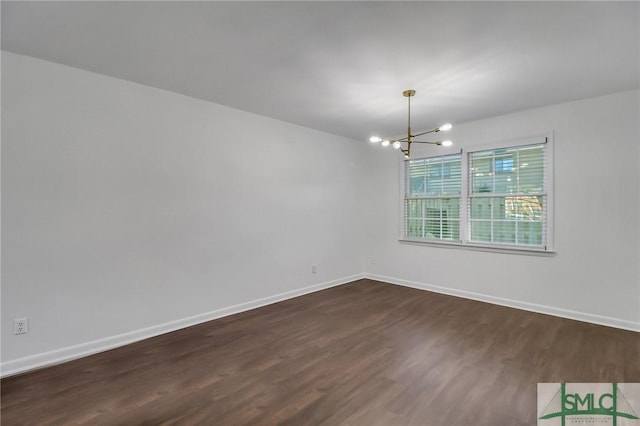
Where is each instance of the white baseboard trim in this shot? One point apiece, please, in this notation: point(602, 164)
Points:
point(57, 356)
point(526, 306)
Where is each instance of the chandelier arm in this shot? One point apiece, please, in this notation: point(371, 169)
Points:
point(424, 133)
point(430, 142)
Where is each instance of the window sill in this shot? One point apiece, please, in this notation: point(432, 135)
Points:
point(528, 251)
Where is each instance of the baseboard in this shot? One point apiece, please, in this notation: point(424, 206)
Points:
point(532, 307)
point(45, 359)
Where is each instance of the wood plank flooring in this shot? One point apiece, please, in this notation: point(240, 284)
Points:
point(365, 353)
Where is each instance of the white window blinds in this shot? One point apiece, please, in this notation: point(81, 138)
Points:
point(432, 199)
point(507, 196)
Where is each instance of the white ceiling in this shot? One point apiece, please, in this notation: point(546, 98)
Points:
point(341, 67)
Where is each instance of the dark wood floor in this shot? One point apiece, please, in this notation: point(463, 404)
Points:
point(364, 353)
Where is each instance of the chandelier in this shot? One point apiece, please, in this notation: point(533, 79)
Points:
point(409, 139)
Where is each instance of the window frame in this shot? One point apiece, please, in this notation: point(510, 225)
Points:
point(464, 242)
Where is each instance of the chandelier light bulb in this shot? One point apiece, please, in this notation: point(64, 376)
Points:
point(397, 145)
point(375, 139)
point(385, 143)
point(447, 143)
point(445, 127)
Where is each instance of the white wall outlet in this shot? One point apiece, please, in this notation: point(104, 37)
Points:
point(314, 269)
point(20, 326)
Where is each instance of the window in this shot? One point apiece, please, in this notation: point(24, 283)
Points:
point(432, 202)
point(501, 199)
point(506, 196)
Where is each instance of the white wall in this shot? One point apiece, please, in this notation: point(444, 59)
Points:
point(128, 211)
point(594, 275)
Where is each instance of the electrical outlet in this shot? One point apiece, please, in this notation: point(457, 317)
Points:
point(20, 326)
point(314, 269)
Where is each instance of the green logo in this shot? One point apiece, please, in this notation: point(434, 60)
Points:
point(581, 405)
